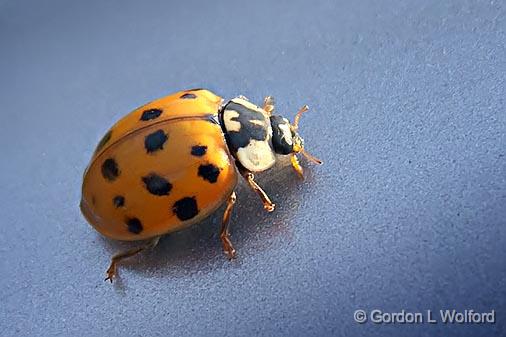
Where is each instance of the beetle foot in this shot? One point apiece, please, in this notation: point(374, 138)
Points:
point(228, 248)
point(111, 272)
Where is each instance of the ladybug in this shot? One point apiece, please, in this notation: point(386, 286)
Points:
point(172, 162)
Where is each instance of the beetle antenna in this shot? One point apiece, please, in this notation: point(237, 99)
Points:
point(310, 157)
point(300, 149)
point(298, 115)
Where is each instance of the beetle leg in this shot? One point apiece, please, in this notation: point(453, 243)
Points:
point(250, 178)
point(296, 165)
point(268, 104)
point(228, 248)
point(112, 270)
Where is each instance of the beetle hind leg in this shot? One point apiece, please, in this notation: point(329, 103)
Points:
point(228, 248)
point(113, 267)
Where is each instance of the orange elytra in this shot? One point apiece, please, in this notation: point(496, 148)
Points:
point(172, 162)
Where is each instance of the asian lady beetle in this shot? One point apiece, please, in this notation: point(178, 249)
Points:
point(174, 161)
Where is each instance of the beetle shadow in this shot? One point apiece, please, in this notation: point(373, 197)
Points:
point(199, 249)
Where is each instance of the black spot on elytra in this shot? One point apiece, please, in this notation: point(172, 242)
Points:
point(248, 131)
point(157, 185)
point(188, 96)
point(154, 141)
point(110, 170)
point(134, 225)
point(279, 143)
point(209, 172)
point(150, 114)
point(103, 141)
point(185, 208)
point(93, 200)
point(118, 201)
point(199, 150)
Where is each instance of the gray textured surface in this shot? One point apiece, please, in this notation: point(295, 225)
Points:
point(408, 212)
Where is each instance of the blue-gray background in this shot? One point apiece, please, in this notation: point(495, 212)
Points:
point(408, 211)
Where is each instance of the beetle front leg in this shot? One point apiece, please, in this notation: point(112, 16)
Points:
point(268, 104)
point(250, 179)
point(296, 165)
